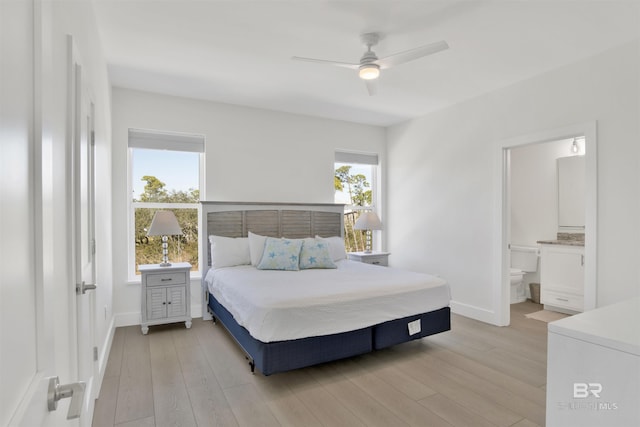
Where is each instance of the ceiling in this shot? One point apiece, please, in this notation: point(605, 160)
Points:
point(239, 51)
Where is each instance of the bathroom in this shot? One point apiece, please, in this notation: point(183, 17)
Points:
point(535, 208)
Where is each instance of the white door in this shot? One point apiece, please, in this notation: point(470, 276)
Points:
point(39, 309)
point(81, 111)
point(35, 293)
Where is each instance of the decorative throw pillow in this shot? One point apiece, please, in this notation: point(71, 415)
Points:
point(256, 247)
point(315, 254)
point(228, 251)
point(336, 247)
point(281, 254)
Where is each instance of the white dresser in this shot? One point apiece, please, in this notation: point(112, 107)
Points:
point(593, 368)
point(166, 294)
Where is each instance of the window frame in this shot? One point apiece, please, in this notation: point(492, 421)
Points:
point(369, 159)
point(166, 141)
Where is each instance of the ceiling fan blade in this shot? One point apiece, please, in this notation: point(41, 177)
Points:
point(372, 86)
point(411, 54)
point(324, 61)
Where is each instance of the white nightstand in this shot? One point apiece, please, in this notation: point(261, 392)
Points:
point(166, 294)
point(376, 258)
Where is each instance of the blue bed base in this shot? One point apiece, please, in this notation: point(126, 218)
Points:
point(280, 356)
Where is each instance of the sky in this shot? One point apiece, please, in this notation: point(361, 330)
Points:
point(179, 170)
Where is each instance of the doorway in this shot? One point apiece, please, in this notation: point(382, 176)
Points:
point(502, 284)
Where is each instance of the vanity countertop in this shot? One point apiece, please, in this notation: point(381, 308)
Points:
point(562, 242)
point(567, 239)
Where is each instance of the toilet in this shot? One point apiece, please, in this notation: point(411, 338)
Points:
point(524, 259)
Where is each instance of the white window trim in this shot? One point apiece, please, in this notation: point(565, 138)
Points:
point(196, 143)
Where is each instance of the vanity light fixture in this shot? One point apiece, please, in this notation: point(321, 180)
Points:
point(574, 146)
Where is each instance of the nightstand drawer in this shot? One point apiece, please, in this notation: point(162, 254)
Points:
point(166, 279)
point(375, 260)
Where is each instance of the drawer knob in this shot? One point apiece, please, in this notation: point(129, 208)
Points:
point(166, 280)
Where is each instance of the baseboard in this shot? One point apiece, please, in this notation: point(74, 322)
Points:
point(134, 318)
point(103, 357)
point(473, 312)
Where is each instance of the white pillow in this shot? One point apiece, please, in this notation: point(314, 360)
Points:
point(336, 247)
point(256, 247)
point(228, 251)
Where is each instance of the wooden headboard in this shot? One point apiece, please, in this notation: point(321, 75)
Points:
point(293, 220)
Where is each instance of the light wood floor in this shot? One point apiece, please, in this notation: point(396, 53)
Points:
point(474, 375)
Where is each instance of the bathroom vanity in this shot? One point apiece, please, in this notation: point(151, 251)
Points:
point(562, 261)
point(562, 275)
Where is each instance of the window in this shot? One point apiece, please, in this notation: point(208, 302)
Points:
point(355, 185)
point(165, 173)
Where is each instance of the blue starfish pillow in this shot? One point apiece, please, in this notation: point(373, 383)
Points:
point(315, 254)
point(280, 254)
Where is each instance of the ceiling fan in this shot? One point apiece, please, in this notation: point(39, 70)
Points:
point(370, 65)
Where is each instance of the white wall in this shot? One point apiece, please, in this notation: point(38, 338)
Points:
point(441, 194)
point(250, 155)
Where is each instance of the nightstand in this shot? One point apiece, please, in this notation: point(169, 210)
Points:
point(376, 258)
point(166, 294)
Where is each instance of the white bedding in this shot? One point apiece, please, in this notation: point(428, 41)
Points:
point(282, 305)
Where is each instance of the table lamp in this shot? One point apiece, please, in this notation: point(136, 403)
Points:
point(368, 221)
point(164, 224)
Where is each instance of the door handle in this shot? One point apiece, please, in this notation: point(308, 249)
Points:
point(57, 391)
point(83, 287)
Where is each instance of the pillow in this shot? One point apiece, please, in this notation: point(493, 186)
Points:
point(281, 254)
point(315, 254)
point(256, 247)
point(336, 247)
point(228, 251)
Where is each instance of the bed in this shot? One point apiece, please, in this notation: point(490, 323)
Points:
point(285, 320)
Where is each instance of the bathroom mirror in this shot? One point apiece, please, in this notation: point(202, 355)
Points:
point(571, 192)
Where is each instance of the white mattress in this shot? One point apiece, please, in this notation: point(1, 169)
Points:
point(284, 305)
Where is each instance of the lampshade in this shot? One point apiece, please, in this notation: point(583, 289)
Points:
point(368, 221)
point(164, 223)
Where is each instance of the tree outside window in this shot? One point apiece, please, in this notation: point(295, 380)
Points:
point(352, 184)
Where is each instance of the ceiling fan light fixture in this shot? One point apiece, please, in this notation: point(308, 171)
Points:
point(369, 71)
